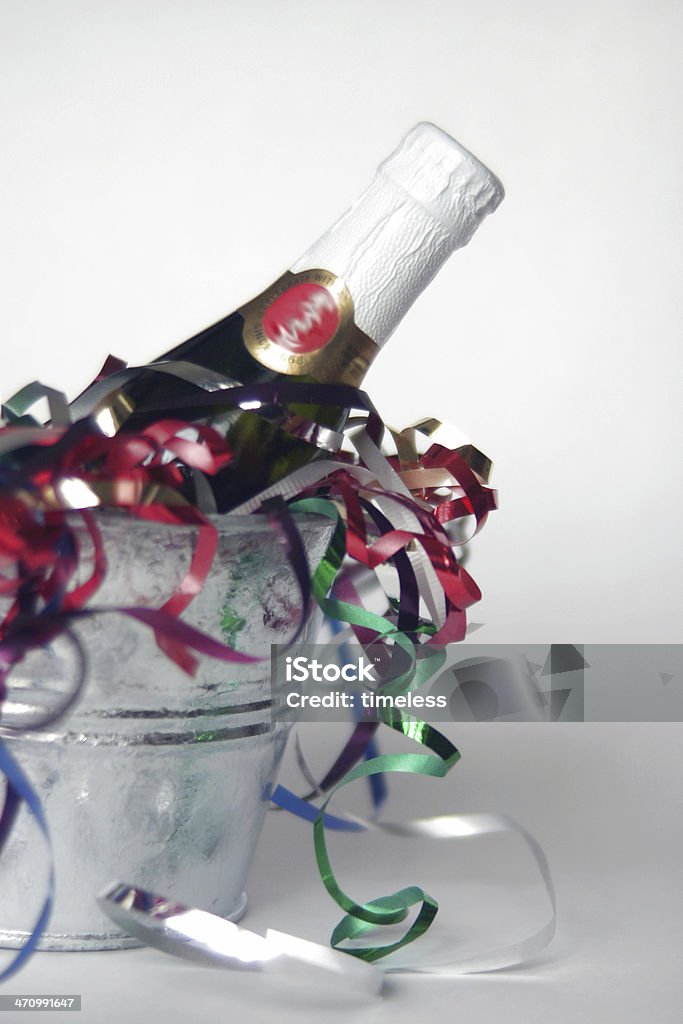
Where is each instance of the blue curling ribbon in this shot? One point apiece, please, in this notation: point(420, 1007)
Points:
point(301, 808)
point(377, 783)
point(288, 801)
point(66, 550)
point(18, 789)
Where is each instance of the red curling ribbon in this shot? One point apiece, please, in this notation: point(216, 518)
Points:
point(141, 472)
point(112, 364)
point(453, 629)
point(202, 560)
point(175, 631)
point(46, 550)
point(130, 463)
point(458, 585)
point(478, 501)
point(209, 457)
point(82, 594)
point(120, 460)
point(409, 594)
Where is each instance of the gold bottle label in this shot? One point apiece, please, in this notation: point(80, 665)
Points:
point(303, 325)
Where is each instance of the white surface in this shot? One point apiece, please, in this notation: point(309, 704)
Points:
point(604, 800)
point(164, 161)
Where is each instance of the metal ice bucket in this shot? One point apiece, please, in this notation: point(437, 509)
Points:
point(153, 776)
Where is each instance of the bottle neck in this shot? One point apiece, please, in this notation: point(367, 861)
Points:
point(329, 315)
point(386, 249)
point(426, 201)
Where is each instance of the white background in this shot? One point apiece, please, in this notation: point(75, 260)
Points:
point(165, 161)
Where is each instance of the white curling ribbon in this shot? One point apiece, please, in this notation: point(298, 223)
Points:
point(294, 483)
point(378, 471)
point(208, 939)
point(19, 437)
point(385, 474)
point(459, 826)
point(402, 518)
point(468, 826)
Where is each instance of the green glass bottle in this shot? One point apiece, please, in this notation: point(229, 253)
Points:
point(326, 318)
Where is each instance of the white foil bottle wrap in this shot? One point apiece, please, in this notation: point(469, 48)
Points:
point(426, 201)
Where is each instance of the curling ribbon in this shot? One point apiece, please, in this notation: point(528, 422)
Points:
point(206, 938)
point(450, 826)
point(20, 790)
point(360, 918)
point(386, 522)
point(393, 908)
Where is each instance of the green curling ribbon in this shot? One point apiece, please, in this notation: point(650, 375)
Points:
point(419, 670)
point(385, 910)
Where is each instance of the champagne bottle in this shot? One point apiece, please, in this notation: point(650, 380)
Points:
point(327, 317)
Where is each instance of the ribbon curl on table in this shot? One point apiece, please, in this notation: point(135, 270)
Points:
point(388, 910)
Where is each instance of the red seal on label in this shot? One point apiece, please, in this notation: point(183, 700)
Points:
point(303, 319)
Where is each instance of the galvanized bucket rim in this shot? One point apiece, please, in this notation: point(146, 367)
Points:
point(226, 523)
